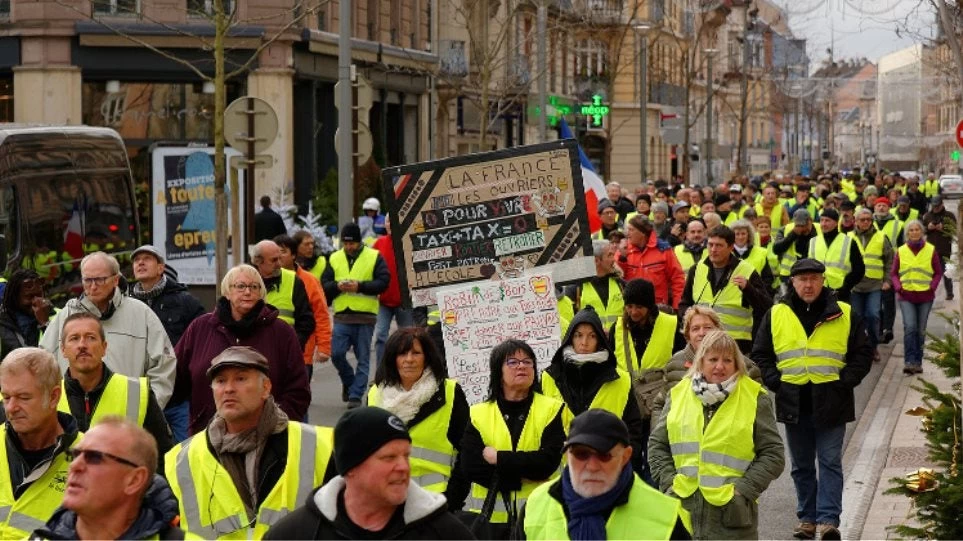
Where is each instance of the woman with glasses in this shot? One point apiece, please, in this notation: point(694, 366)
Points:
point(716, 445)
point(514, 441)
point(240, 318)
point(411, 382)
point(24, 312)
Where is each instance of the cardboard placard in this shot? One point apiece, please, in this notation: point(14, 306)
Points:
point(477, 317)
point(489, 216)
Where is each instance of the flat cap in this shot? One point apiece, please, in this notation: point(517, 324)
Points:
point(807, 266)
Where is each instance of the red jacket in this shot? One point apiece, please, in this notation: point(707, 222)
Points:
point(391, 297)
point(656, 262)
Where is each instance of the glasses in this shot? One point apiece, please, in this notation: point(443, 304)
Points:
point(248, 287)
point(96, 458)
point(582, 454)
point(518, 363)
point(97, 280)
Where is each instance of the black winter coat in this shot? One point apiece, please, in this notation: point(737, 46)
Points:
point(175, 307)
point(10, 336)
point(831, 403)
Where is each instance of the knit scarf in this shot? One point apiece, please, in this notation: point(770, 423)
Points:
point(713, 393)
point(138, 291)
point(240, 453)
point(587, 516)
point(598, 357)
point(406, 404)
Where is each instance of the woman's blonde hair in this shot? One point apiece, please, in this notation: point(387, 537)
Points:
point(718, 342)
point(745, 224)
point(699, 310)
point(236, 272)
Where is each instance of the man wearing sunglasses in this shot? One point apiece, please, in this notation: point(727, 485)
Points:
point(112, 489)
point(139, 345)
point(33, 467)
point(598, 495)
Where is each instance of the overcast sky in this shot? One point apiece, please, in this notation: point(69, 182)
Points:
point(859, 28)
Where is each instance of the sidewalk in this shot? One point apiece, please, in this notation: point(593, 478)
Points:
point(887, 443)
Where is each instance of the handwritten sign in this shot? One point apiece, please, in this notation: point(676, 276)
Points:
point(475, 318)
point(489, 216)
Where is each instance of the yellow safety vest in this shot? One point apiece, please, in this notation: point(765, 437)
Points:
point(656, 354)
point(21, 516)
point(736, 318)
point(608, 311)
point(913, 215)
point(872, 253)
point(432, 455)
point(318, 269)
point(789, 257)
point(208, 500)
point(362, 271)
point(803, 359)
point(488, 420)
point(916, 270)
point(758, 257)
point(931, 188)
point(648, 513)
point(612, 396)
point(709, 458)
point(282, 298)
point(835, 257)
point(685, 257)
point(893, 228)
point(122, 396)
point(566, 311)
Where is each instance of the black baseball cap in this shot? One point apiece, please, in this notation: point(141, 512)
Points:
point(598, 429)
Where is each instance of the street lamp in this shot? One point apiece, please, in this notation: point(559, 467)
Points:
point(708, 157)
point(642, 28)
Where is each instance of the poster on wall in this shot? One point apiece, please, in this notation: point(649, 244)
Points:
point(183, 213)
point(489, 216)
point(479, 316)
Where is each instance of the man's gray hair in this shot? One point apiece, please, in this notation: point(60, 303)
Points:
point(258, 248)
point(599, 246)
point(109, 259)
point(613, 184)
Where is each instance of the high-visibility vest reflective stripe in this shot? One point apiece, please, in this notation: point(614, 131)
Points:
point(916, 270)
point(892, 229)
point(914, 214)
point(488, 420)
point(209, 504)
point(432, 455)
point(122, 396)
point(648, 513)
point(817, 358)
point(686, 260)
point(656, 354)
point(608, 311)
point(872, 253)
point(612, 396)
point(736, 318)
point(21, 516)
point(282, 298)
point(789, 257)
point(931, 188)
point(835, 258)
point(362, 271)
point(710, 458)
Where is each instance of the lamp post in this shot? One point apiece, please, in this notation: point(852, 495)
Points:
point(708, 158)
point(642, 28)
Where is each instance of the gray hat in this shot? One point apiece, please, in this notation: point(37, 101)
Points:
point(238, 357)
point(903, 199)
point(680, 205)
point(605, 204)
point(660, 207)
point(870, 190)
point(150, 250)
point(937, 200)
point(800, 217)
point(807, 266)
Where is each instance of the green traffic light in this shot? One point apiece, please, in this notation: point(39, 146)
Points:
point(955, 155)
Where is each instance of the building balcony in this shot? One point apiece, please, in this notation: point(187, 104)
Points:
point(602, 12)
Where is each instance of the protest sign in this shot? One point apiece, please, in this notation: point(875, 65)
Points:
point(489, 216)
point(477, 317)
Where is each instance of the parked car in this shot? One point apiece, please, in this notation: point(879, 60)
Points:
point(952, 186)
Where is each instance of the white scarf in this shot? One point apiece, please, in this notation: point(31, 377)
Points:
point(405, 404)
point(581, 358)
point(713, 393)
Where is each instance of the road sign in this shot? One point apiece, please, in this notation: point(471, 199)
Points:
point(365, 143)
point(959, 133)
point(261, 160)
point(237, 128)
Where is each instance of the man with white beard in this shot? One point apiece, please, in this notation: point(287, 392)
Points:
point(598, 495)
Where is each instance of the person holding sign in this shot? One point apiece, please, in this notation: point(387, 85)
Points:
point(411, 383)
point(514, 441)
point(584, 374)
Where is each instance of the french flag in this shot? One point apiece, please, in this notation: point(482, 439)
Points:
point(73, 236)
point(594, 187)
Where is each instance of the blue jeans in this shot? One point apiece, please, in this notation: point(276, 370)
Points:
point(867, 305)
point(385, 313)
point(914, 323)
point(176, 415)
point(358, 338)
point(817, 501)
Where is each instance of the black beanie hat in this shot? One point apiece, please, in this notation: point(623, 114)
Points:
point(350, 232)
point(361, 432)
point(640, 292)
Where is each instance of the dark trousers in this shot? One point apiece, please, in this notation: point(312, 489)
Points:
point(889, 310)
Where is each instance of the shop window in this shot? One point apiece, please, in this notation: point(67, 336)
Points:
point(115, 7)
point(4, 9)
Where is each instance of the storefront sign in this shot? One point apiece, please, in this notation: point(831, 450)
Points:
point(183, 210)
point(489, 216)
point(596, 111)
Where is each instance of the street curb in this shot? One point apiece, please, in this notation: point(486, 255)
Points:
point(868, 449)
